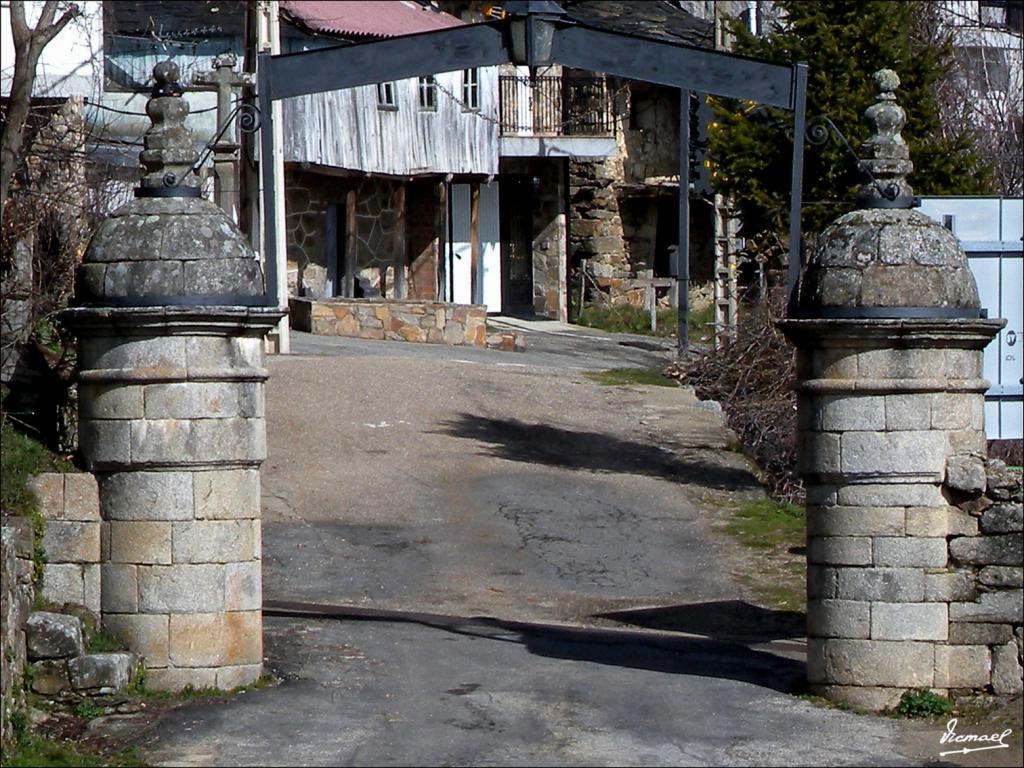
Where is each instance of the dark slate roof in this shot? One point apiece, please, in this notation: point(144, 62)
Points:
point(658, 19)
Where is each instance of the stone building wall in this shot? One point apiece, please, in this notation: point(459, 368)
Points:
point(615, 203)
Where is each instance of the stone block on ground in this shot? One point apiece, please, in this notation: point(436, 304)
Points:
point(53, 635)
point(103, 673)
point(50, 677)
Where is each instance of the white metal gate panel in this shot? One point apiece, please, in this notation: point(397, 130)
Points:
point(990, 231)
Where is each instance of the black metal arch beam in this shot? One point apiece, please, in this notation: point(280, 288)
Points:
point(679, 66)
point(346, 66)
point(480, 45)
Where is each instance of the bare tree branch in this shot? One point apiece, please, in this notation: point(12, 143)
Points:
point(28, 46)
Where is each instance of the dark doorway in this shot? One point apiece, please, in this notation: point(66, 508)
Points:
point(517, 243)
point(666, 234)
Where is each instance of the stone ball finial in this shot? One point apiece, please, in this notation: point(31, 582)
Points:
point(886, 81)
point(165, 76)
point(885, 157)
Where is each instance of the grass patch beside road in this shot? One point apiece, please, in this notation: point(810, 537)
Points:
point(626, 318)
point(618, 377)
point(774, 536)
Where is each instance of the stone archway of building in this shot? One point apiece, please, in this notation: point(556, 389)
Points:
point(533, 34)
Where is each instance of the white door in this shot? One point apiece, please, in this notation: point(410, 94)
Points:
point(490, 247)
point(460, 266)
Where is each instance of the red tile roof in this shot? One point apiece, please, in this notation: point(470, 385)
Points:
point(367, 18)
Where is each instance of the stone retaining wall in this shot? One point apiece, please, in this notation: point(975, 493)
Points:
point(70, 506)
point(427, 322)
point(985, 578)
point(16, 593)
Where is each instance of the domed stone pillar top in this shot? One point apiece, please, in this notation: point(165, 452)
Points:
point(169, 247)
point(885, 261)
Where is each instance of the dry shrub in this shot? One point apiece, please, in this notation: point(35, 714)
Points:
point(752, 377)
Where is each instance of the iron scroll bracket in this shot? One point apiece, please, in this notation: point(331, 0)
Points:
point(817, 133)
point(249, 121)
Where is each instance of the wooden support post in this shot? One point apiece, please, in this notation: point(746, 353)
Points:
point(400, 257)
point(683, 278)
point(475, 273)
point(351, 244)
point(441, 227)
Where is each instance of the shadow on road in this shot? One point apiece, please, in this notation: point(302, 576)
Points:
point(622, 648)
point(515, 440)
point(732, 620)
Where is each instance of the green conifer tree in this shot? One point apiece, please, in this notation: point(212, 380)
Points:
point(843, 42)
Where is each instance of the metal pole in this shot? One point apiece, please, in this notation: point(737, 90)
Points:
point(683, 247)
point(797, 183)
point(267, 172)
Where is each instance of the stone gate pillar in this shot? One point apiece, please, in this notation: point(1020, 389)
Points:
point(170, 321)
point(890, 408)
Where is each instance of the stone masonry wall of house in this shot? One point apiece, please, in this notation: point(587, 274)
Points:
point(378, 239)
point(615, 202)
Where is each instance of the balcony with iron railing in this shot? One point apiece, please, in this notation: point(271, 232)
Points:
point(546, 106)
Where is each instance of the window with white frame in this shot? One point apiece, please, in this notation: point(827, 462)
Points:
point(428, 94)
point(471, 89)
point(386, 96)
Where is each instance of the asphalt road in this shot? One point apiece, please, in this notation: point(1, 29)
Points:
point(485, 558)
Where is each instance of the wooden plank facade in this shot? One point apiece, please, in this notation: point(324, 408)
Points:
point(357, 129)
